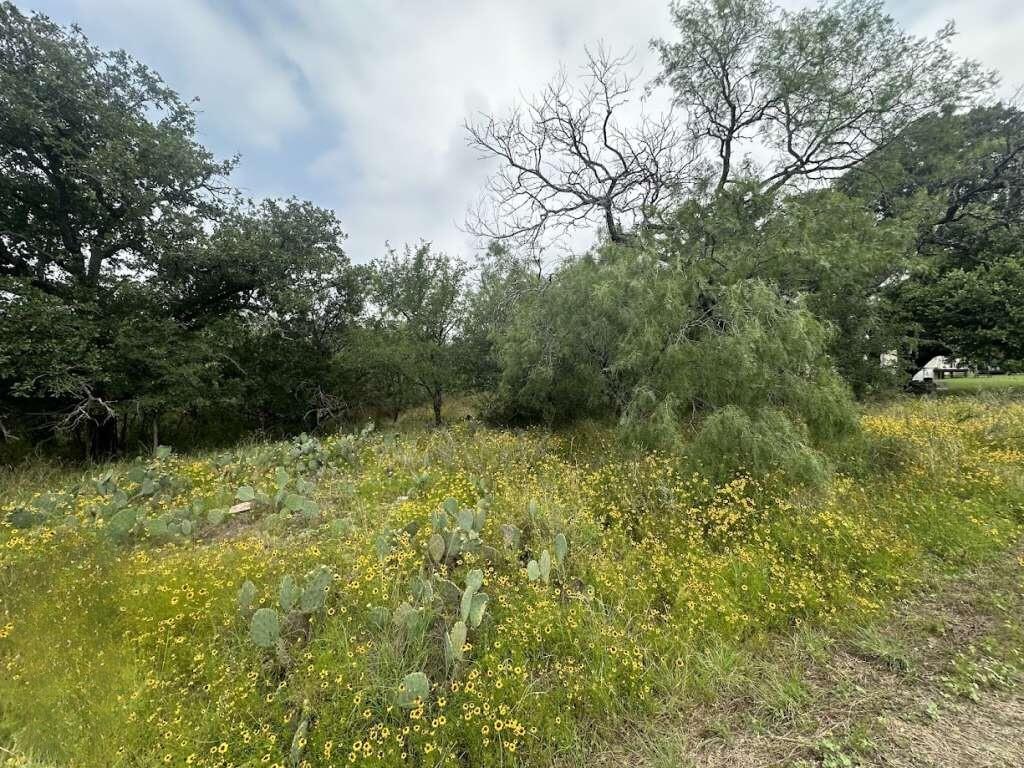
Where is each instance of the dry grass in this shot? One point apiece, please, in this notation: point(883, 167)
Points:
point(936, 686)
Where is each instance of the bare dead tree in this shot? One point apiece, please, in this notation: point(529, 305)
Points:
point(569, 159)
point(89, 410)
point(327, 408)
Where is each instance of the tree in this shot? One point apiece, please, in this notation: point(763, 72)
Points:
point(971, 313)
point(832, 251)
point(783, 99)
point(503, 281)
point(99, 168)
point(135, 287)
point(99, 175)
point(568, 159)
point(279, 258)
point(636, 334)
point(280, 268)
point(818, 89)
point(420, 299)
point(957, 179)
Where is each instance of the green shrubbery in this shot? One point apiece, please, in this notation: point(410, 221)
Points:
point(636, 336)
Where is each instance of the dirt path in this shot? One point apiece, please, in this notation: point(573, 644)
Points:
point(938, 686)
point(990, 733)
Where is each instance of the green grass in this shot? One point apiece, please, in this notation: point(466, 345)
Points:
point(122, 642)
point(983, 383)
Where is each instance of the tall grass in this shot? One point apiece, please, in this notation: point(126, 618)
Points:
point(132, 652)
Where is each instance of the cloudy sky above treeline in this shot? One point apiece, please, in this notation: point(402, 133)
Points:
point(358, 105)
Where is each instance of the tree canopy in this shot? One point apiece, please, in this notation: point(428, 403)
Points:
point(825, 190)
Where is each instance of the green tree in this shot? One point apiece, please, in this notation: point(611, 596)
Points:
point(420, 296)
point(135, 289)
point(957, 180)
point(838, 256)
point(99, 175)
point(99, 167)
point(637, 334)
point(503, 281)
point(820, 88)
point(278, 267)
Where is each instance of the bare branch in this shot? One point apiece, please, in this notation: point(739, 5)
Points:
point(88, 410)
point(567, 160)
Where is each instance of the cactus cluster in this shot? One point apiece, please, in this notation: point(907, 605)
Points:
point(127, 506)
point(456, 532)
point(472, 605)
point(413, 689)
point(346, 447)
point(290, 496)
point(306, 454)
point(296, 603)
point(540, 568)
point(420, 481)
point(436, 601)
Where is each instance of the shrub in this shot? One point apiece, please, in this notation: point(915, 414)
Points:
point(770, 441)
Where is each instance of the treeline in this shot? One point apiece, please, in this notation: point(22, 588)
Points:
point(827, 189)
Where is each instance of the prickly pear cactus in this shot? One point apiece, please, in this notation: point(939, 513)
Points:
point(455, 641)
point(288, 593)
point(436, 548)
point(544, 565)
point(413, 690)
point(314, 593)
point(439, 520)
point(421, 590)
point(265, 628)
point(561, 548)
point(446, 589)
point(382, 546)
point(246, 597)
point(466, 519)
point(479, 518)
point(477, 607)
point(122, 523)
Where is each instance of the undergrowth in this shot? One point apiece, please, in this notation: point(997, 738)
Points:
point(489, 597)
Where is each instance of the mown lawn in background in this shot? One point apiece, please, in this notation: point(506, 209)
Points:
point(1005, 382)
point(122, 643)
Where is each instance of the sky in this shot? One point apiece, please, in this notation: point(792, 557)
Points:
point(358, 105)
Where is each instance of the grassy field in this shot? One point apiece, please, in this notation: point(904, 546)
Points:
point(467, 596)
point(1006, 382)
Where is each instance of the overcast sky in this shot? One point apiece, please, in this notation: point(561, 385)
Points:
point(358, 104)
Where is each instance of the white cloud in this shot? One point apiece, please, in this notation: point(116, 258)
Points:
point(202, 51)
point(359, 104)
point(990, 32)
point(400, 78)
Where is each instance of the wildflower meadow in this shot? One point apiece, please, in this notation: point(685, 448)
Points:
point(459, 597)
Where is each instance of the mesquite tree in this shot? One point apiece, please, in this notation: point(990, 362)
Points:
point(420, 299)
point(781, 99)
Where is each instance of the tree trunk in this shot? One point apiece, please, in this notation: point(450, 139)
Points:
point(437, 408)
point(103, 439)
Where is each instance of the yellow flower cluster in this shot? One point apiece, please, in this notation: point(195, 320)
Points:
point(134, 653)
